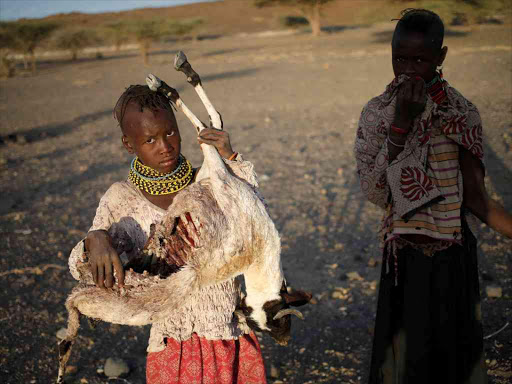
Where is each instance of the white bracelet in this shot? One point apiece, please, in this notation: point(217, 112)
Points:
point(396, 145)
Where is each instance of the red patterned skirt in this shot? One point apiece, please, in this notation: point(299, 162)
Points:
point(201, 361)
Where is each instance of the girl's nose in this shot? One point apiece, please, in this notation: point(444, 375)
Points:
point(409, 68)
point(166, 146)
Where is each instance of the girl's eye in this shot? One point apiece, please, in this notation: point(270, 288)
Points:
point(150, 141)
point(171, 133)
point(399, 59)
point(419, 60)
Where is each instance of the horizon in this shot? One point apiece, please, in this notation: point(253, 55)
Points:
point(12, 10)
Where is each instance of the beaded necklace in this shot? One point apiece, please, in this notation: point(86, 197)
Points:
point(156, 183)
point(435, 89)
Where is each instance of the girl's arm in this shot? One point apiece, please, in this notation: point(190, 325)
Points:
point(103, 259)
point(476, 198)
point(371, 153)
point(97, 246)
point(410, 102)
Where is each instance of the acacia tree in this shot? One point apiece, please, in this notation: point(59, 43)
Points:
point(149, 31)
point(309, 9)
point(7, 44)
point(75, 41)
point(146, 32)
point(117, 33)
point(27, 36)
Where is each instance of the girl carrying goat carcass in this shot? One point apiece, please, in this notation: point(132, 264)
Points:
point(202, 341)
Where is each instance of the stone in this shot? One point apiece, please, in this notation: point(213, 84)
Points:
point(274, 371)
point(61, 333)
point(354, 276)
point(20, 139)
point(23, 231)
point(71, 369)
point(115, 367)
point(493, 291)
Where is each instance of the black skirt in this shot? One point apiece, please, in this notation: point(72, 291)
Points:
point(428, 328)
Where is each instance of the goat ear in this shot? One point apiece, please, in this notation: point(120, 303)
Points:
point(297, 298)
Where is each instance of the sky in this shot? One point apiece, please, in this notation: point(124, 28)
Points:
point(15, 9)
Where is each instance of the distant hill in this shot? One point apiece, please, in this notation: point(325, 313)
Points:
point(231, 17)
point(224, 17)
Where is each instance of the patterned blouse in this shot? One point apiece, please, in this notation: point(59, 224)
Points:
point(421, 190)
point(127, 215)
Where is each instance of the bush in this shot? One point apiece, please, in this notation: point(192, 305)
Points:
point(75, 41)
point(294, 21)
point(459, 19)
point(116, 33)
point(25, 37)
point(146, 32)
point(6, 66)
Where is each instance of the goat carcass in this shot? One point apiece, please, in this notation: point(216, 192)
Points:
point(232, 235)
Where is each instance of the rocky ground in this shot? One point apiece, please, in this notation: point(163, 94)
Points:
point(291, 105)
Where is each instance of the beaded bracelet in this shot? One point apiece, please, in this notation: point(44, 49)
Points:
point(396, 145)
point(233, 156)
point(399, 130)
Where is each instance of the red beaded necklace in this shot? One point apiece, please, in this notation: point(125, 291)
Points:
point(436, 89)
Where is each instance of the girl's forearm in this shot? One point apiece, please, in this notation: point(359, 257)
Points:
point(396, 144)
point(498, 219)
point(493, 214)
point(396, 140)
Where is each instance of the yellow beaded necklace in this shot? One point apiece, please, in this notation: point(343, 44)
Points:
point(156, 183)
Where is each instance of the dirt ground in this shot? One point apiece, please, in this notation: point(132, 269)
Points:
point(291, 104)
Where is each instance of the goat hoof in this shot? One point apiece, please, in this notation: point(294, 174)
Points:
point(179, 60)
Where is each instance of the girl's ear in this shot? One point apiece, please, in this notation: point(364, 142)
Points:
point(126, 144)
point(442, 56)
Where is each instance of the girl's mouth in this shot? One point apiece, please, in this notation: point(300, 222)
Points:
point(168, 162)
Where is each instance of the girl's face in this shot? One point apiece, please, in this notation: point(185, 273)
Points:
point(412, 55)
point(153, 136)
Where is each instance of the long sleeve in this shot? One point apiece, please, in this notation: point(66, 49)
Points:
point(371, 152)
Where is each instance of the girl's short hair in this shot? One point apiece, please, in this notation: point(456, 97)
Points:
point(142, 96)
point(422, 21)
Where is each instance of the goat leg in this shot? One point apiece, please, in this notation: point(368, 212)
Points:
point(181, 64)
point(66, 344)
point(155, 84)
point(216, 161)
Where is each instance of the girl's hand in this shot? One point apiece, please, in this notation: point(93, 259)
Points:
point(476, 198)
point(103, 259)
point(219, 139)
point(411, 101)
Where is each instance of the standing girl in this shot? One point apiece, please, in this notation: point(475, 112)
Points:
point(420, 157)
point(202, 342)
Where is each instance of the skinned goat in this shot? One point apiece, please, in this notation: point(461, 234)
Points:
point(232, 235)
